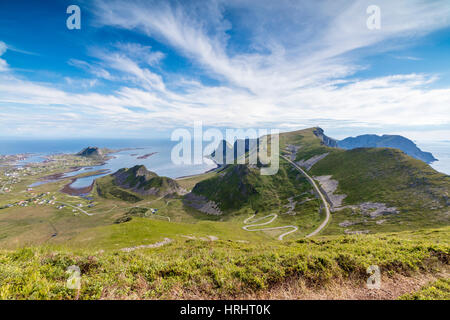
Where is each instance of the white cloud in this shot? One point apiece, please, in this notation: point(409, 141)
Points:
point(3, 64)
point(290, 68)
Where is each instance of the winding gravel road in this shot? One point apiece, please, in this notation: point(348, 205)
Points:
point(316, 188)
point(274, 216)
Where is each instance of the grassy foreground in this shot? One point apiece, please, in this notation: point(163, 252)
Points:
point(438, 290)
point(218, 269)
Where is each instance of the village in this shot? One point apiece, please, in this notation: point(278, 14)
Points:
point(17, 181)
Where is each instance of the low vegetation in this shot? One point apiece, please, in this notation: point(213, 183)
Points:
point(216, 269)
point(438, 290)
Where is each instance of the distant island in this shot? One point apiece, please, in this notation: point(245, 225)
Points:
point(91, 152)
point(145, 156)
point(387, 141)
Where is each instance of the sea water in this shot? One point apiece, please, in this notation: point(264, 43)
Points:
point(441, 151)
point(160, 162)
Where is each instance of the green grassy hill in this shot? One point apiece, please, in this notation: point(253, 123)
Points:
point(241, 185)
point(376, 175)
point(229, 269)
point(310, 144)
point(135, 184)
point(413, 193)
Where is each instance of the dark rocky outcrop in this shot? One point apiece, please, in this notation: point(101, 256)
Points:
point(329, 142)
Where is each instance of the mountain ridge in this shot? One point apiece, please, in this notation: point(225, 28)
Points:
point(387, 141)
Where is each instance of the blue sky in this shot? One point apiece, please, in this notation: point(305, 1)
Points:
point(144, 68)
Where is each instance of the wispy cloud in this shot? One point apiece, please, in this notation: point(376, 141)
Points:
point(292, 65)
point(3, 64)
point(408, 58)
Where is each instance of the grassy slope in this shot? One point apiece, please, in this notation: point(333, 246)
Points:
point(140, 178)
point(438, 290)
point(241, 191)
point(106, 188)
point(310, 144)
point(378, 175)
point(220, 269)
point(239, 186)
point(388, 176)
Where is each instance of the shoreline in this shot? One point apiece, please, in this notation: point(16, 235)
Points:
point(67, 189)
point(218, 166)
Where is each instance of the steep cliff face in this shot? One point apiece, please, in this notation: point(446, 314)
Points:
point(387, 141)
point(329, 142)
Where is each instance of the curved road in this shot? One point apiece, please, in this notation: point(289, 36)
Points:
point(274, 216)
point(316, 188)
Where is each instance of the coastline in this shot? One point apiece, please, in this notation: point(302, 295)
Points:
point(67, 189)
point(218, 166)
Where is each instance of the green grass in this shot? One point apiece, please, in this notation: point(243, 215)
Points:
point(240, 186)
point(384, 174)
point(438, 290)
point(220, 269)
point(106, 188)
point(388, 176)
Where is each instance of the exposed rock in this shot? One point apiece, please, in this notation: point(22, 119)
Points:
point(290, 206)
point(371, 209)
point(329, 186)
point(207, 238)
point(347, 223)
point(292, 150)
point(308, 164)
point(329, 142)
point(356, 231)
point(202, 204)
point(146, 246)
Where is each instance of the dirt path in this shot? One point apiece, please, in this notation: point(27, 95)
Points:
point(274, 216)
point(146, 246)
point(316, 188)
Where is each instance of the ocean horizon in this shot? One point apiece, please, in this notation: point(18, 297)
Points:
point(161, 162)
